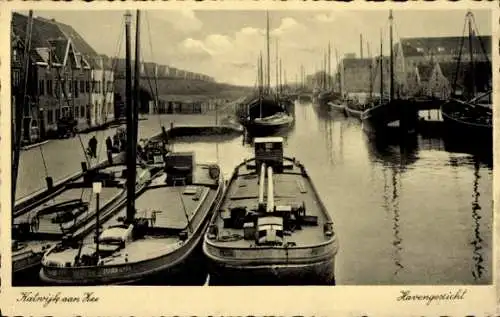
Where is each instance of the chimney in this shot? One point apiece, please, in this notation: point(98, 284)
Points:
point(361, 45)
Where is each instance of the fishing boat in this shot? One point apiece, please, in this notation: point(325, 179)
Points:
point(155, 230)
point(391, 114)
point(469, 118)
point(472, 119)
point(266, 114)
point(271, 226)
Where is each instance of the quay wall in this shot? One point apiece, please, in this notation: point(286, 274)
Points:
point(63, 157)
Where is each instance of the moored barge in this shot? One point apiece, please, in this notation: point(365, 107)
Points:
point(271, 227)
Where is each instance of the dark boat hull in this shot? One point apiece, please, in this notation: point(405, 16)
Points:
point(256, 129)
point(314, 273)
point(469, 131)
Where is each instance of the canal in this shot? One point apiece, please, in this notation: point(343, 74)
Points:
point(414, 213)
point(405, 213)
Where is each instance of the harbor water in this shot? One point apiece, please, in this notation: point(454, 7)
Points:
point(414, 213)
point(404, 213)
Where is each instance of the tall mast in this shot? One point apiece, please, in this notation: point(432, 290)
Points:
point(280, 79)
point(131, 160)
point(361, 46)
point(339, 69)
point(473, 75)
point(381, 68)
point(324, 71)
point(392, 57)
point(268, 54)
point(277, 71)
point(329, 68)
point(20, 104)
point(261, 80)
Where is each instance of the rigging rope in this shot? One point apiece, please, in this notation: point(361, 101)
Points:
point(156, 75)
point(105, 88)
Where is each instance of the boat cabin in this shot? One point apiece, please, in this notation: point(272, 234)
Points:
point(269, 150)
point(180, 167)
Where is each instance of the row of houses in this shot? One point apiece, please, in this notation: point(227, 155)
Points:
point(154, 70)
point(68, 79)
point(422, 66)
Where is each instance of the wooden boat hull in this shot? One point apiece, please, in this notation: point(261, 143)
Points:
point(170, 267)
point(26, 270)
point(463, 129)
point(313, 273)
point(257, 129)
point(338, 107)
point(350, 112)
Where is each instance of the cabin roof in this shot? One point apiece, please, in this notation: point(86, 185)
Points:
point(275, 139)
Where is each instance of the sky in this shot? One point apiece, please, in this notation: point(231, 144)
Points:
point(226, 44)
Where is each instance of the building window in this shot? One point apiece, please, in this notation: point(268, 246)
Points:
point(420, 49)
point(82, 86)
point(98, 89)
point(58, 89)
point(87, 86)
point(41, 87)
point(15, 57)
point(15, 78)
point(440, 49)
point(75, 88)
point(49, 87)
point(82, 111)
point(50, 116)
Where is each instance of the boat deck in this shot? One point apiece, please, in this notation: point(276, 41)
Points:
point(290, 188)
point(46, 226)
point(173, 206)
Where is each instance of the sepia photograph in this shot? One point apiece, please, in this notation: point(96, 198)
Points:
point(251, 147)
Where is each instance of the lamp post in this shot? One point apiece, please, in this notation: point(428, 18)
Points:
point(96, 188)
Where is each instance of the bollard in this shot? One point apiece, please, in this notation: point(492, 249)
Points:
point(50, 182)
point(84, 166)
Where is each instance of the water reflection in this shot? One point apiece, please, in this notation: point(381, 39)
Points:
point(403, 209)
point(477, 241)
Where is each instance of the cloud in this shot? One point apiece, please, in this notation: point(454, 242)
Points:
point(182, 20)
point(287, 25)
point(326, 17)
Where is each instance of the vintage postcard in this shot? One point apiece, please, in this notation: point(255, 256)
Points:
point(248, 158)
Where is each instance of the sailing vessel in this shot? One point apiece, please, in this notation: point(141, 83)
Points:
point(271, 226)
point(472, 118)
point(400, 113)
point(266, 114)
point(158, 230)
